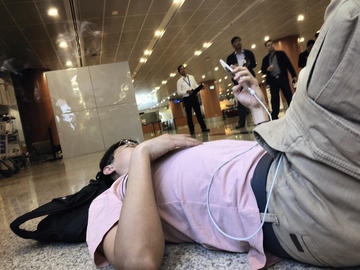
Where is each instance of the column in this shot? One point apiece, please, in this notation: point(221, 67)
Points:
point(210, 100)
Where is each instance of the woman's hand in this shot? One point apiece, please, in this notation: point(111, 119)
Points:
point(165, 143)
point(245, 80)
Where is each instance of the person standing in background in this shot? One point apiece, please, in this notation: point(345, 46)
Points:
point(241, 57)
point(275, 65)
point(304, 55)
point(188, 88)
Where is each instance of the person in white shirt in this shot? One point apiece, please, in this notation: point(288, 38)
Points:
point(187, 88)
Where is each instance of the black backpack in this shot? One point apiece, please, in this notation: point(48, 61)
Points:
point(67, 217)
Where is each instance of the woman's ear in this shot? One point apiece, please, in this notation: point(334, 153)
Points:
point(109, 169)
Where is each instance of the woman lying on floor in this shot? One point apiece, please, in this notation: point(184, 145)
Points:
point(312, 153)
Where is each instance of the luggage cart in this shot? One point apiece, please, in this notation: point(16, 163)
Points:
point(11, 156)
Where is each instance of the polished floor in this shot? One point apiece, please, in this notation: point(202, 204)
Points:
point(39, 183)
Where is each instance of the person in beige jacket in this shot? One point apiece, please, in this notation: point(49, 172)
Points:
point(315, 204)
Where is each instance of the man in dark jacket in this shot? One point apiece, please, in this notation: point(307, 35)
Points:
point(304, 55)
point(241, 57)
point(275, 65)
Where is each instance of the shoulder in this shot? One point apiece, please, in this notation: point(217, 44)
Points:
point(230, 57)
point(266, 56)
point(179, 80)
point(248, 52)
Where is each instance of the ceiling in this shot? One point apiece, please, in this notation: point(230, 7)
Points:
point(106, 31)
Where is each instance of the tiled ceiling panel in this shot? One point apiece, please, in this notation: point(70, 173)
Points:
point(120, 30)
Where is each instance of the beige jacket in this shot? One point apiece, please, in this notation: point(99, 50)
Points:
point(317, 193)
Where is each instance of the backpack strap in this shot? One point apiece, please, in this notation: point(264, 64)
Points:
point(56, 206)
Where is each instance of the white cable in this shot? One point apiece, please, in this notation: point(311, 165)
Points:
point(252, 92)
point(266, 207)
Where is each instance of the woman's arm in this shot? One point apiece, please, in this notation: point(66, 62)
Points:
point(137, 242)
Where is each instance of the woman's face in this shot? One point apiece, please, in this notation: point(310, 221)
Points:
point(122, 157)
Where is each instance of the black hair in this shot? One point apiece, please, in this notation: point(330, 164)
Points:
point(266, 42)
point(108, 158)
point(316, 34)
point(235, 38)
point(178, 68)
point(310, 42)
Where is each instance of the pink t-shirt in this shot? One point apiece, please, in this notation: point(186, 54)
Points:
point(181, 181)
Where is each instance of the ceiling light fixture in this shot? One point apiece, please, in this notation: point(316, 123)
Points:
point(164, 82)
point(220, 80)
point(253, 46)
point(207, 44)
point(172, 75)
point(300, 18)
point(203, 76)
point(229, 84)
point(216, 68)
point(63, 44)
point(53, 12)
point(147, 52)
point(159, 33)
point(197, 53)
point(301, 39)
point(266, 38)
point(184, 65)
point(68, 63)
point(225, 78)
point(115, 12)
point(143, 60)
point(259, 71)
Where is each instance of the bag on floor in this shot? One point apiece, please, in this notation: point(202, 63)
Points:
point(66, 217)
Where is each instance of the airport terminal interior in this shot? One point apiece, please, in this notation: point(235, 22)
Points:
point(78, 75)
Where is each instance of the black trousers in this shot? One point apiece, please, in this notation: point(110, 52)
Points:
point(258, 184)
point(282, 82)
point(189, 104)
point(242, 112)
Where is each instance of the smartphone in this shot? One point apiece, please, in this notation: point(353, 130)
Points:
point(227, 68)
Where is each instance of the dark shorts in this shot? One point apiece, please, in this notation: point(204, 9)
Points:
point(258, 185)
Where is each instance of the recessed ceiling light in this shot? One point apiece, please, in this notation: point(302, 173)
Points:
point(263, 76)
point(300, 18)
point(197, 53)
point(159, 33)
point(207, 44)
point(301, 39)
point(266, 38)
point(143, 60)
point(229, 84)
point(185, 65)
point(164, 82)
point(172, 75)
point(216, 68)
point(132, 80)
point(203, 76)
point(225, 78)
point(68, 63)
point(63, 44)
point(220, 80)
point(115, 12)
point(147, 52)
point(53, 12)
point(253, 46)
point(259, 71)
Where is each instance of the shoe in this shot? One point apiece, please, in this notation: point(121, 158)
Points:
point(192, 133)
point(206, 130)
